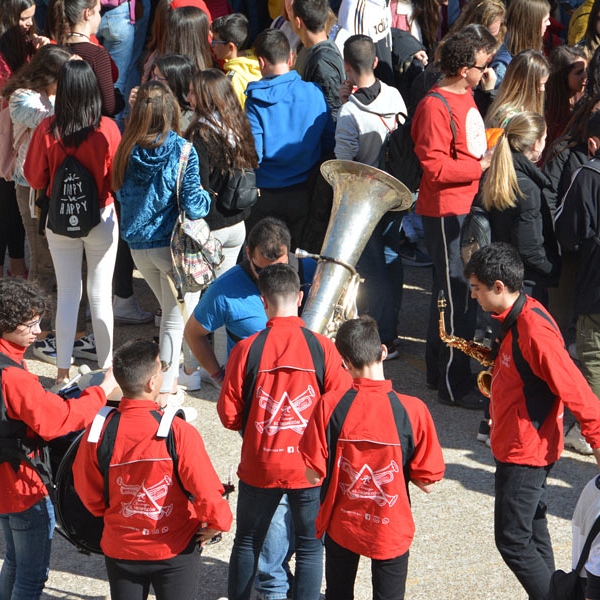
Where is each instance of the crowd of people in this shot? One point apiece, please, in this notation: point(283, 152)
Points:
point(118, 114)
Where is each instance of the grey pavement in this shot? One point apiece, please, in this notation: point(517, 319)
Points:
point(453, 556)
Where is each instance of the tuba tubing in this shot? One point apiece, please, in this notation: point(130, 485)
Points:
point(361, 196)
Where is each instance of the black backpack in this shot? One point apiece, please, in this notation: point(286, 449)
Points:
point(475, 232)
point(397, 155)
point(73, 208)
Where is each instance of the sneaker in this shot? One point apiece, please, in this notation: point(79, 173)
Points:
point(85, 347)
point(412, 256)
point(392, 351)
point(127, 311)
point(190, 382)
point(483, 435)
point(575, 441)
point(46, 349)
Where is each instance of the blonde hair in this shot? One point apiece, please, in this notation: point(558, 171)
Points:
point(154, 114)
point(524, 25)
point(520, 89)
point(500, 187)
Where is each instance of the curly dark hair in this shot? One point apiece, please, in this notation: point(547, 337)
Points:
point(20, 301)
point(459, 49)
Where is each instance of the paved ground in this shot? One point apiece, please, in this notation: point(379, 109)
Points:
point(453, 556)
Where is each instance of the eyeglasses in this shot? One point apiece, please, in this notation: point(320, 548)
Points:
point(481, 68)
point(31, 326)
point(214, 42)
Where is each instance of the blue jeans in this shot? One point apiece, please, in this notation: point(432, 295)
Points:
point(28, 538)
point(274, 577)
point(116, 33)
point(520, 525)
point(255, 509)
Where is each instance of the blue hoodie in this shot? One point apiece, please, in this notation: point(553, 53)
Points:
point(292, 128)
point(148, 195)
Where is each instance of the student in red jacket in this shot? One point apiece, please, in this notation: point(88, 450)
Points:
point(272, 383)
point(152, 528)
point(29, 417)
point(533, 378)
point(365, 464)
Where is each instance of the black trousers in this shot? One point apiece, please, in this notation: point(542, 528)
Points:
point(173, 578)
point(448, 369)
point(388, 576)
point(12, 232)
point(520, 525)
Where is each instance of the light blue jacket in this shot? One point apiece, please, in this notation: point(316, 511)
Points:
point(148, 195)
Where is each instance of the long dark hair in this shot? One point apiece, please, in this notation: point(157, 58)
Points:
point(187, 33)
point(78, 105)
point(15, 45)
point(41, 72)
point(220, 122)
point(177, 70)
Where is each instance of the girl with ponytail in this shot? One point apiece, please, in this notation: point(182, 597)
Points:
point(145, 176)
point(513, 194)
point(74, 23)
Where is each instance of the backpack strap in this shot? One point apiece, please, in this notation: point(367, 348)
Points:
point(452, 122)
point(317, 355)
point(183, 161)
point(107, 445)
point(334, 427)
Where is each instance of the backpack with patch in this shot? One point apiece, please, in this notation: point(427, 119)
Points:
point(73, 207)
point(475, 232)
point(397, 155)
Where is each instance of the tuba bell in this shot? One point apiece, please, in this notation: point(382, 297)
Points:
point(361, 196)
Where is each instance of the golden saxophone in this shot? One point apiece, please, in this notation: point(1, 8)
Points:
point(482, 354)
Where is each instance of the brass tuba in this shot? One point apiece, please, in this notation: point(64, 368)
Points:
point(361, 196)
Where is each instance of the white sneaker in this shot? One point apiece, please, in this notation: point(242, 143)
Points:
point(191, 382)
point(127, 311)
point(575, 441)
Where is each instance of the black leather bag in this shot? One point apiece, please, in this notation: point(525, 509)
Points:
point(238, 191)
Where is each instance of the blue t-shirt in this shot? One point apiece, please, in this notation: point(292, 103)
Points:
point(233, 300)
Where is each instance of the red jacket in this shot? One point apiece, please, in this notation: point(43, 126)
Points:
point(448, 186)
point(533, 376)
point(367, 508)
point(149, 517)
point(285, 395)
point(96, 154)
point(46, 415)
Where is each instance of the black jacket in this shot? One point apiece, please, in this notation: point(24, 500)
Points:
point(577, 229)
point(528, 226)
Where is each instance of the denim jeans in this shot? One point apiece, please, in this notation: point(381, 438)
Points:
point(274, 578)
point(28, 538)
point(520, 525)
point(255, 509)
point(116, 33)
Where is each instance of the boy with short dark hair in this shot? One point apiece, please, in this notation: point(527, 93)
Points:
point(319, 60)
point(533, 378)
point(230, 46)
point(365, 445)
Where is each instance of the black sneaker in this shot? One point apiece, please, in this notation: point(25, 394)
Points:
point(412, 256)
point(472, 400)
